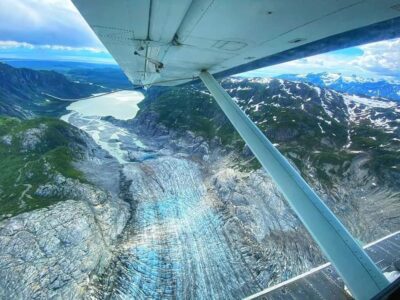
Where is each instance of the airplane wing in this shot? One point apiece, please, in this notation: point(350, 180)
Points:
point(169, 42)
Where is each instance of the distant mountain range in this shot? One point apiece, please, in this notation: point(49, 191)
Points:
point(107, 75)
point(25, 92)
point(387, 89)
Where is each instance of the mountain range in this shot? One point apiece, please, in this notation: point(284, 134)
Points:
point(308, 123)
point(26, 93)
point(388, 89)
point(106, 75)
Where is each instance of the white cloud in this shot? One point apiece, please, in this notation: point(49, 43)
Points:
point(15, 44)
point(378, 59)
point(313, 64)
point(382, 57)
point(45, 22)
point(67, 48)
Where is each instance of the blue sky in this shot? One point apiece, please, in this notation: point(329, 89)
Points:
point(54, 30)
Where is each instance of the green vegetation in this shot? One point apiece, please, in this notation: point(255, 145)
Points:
point(32, 152)
point(365, 136)
point(187, 109)
point(309, 137)
point(380, 146)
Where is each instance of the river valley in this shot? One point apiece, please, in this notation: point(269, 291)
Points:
point(177, 243)
point(200, 228)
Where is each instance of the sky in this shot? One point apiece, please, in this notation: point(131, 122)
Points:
point(54, 30)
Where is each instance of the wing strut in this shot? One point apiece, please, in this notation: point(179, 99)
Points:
point(357, 270)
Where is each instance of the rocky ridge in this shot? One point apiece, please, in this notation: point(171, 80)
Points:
point(53, 252)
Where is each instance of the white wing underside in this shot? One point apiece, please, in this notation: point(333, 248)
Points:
point(165, 42)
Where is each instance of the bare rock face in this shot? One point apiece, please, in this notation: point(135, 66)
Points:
point(32, 137)
point(255, 201)
point(53, 252)
point(110, 212)
point(50, 252)
point(6, 139)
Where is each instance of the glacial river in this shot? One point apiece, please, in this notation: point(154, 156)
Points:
point(86, 115)
point(177, 244)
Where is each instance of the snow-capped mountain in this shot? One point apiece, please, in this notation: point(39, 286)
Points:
point(388, 89)
point(341, 118)
point(305, 121)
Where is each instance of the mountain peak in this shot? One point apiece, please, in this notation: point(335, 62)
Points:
point(351, 84)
